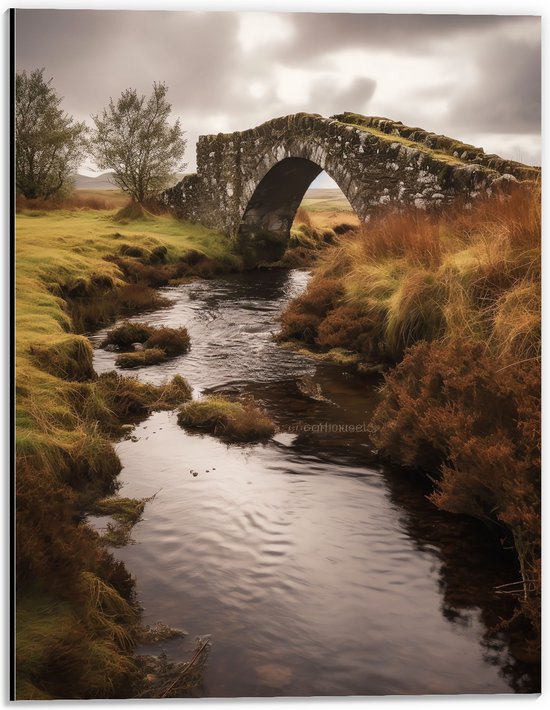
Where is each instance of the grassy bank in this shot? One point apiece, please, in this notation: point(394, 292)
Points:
point(76, 623)
point(451, 306)
point(315, 227)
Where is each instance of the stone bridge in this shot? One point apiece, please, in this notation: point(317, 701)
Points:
point(249, 184)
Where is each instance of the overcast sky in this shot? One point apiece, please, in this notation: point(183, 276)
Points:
point(476, 78)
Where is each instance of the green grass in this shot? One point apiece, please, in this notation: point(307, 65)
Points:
point(243, 421)
point(449, 147)
point(60, 249)
point(141, 358)
point(65, 459)
point(440, 155)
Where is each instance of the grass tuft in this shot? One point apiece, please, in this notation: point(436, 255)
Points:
point(127, 397)
point(173, 341)
point(73, 633)
point(69, 357)
point(141, 358)
point(242, 421)
point(472, 274)
point(127, 334)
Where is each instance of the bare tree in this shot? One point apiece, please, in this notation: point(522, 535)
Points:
point(134, 139)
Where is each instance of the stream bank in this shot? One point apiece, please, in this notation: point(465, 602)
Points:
point(308, 562)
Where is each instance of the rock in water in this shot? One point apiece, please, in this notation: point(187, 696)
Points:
point(309, 388)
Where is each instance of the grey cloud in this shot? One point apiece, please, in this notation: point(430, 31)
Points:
point(96, 54)
point(322, 33)
point(327, 99)
point(507, 96)
point(93, 55)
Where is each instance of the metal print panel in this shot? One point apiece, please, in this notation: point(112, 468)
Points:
point(278, 354)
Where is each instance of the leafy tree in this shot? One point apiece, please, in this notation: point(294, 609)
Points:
point(49, 143)
point(134, 139)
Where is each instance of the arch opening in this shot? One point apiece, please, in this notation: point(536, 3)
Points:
point(265, 225)
point(325, 206)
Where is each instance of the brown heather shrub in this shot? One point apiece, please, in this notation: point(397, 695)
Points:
point(70, 202)
point(302, 317)
point(345, 327)
point(322, 296)
point(299, 326)
point(450, 407)
point(174, 341)
point(128, 333)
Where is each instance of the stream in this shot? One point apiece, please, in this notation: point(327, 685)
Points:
point(315, 569)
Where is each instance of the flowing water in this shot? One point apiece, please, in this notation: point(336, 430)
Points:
point(314, 569)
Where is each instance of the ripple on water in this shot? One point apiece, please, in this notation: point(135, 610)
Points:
point(292, 555)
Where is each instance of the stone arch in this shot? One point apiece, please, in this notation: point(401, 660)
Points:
point(378, 163)
point(270, 209)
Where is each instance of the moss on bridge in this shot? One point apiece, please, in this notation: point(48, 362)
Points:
point(438, 144)
point(249, 183)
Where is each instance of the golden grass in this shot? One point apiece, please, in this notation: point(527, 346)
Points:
point(313, 229)
point(64, 458)
point(243, 421)
point(173, 341)
point(455, 303)
point(141, 358)
point(77, 200)
point(471, 274)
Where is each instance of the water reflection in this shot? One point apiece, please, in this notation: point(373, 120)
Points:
point(315, 570)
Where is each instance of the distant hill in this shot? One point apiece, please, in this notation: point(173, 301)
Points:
point(100, 182)
point(323, 199)
point(323, 193)
point(104, 181)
